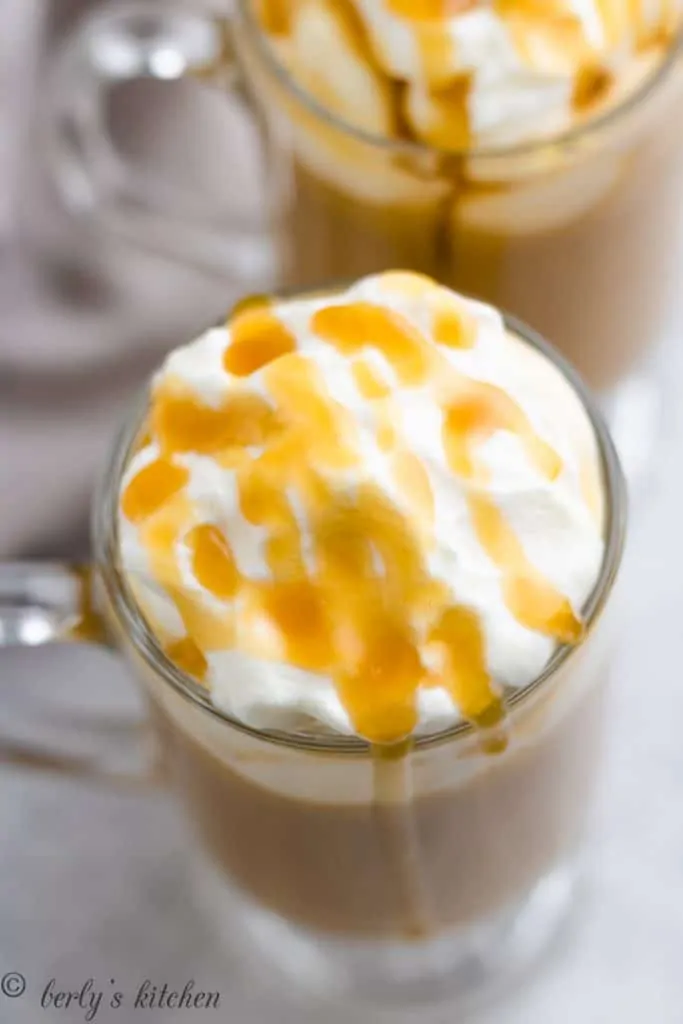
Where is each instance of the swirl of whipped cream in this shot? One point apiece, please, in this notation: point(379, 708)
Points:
point(495, 73)
point(369, 513)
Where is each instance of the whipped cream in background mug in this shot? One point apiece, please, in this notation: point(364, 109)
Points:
point(473, 74)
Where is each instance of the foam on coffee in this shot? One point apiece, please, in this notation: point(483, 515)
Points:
point(370, 512)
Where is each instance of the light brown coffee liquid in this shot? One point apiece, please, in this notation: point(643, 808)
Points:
point(395, 813)
point(447, 837)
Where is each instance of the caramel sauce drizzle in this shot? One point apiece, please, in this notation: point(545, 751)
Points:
point(459, 634)
point(409, 283)
point(619, 18)
point(359, 603)
point(187, 656)
point(450, 126)
point(591, 86)
point(152, 488)
point(213, 563)
point(358, 325)
point(452, 323)
point(413, 483)
point(368, 381)
point(258, 337)
point(398, 832)
point(181, 424)
point(90, 625)
point(453, 326)
point(435, 47)
point(552, 43)
point(531, 599)
point(430, 10)
point(479, 411)
point(315, 422)
point(275, 16)
point(548, 35)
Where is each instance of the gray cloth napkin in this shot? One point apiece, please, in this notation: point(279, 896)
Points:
point(84, 317)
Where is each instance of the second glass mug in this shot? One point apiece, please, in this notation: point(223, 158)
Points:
point(403, 880)
point(576, 234)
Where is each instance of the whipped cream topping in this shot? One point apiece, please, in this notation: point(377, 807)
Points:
point(369, 513)
point(493, 73)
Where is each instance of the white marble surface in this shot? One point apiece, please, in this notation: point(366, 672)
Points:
point(93, 883)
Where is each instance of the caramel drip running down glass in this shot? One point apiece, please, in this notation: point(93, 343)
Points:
point(524, 152)
point(376, 682)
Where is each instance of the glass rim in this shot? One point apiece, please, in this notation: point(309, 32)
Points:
point(409, 147)
point(131, 619)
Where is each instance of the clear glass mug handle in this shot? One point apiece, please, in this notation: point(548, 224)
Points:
point(44, 603)
point(147, 39)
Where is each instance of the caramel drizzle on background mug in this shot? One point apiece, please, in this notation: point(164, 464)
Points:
point(347, 618)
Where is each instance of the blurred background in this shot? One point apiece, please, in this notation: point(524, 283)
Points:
point(84, 318)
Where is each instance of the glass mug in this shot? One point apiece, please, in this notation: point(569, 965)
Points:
point(436, 874)
point(576, 235)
